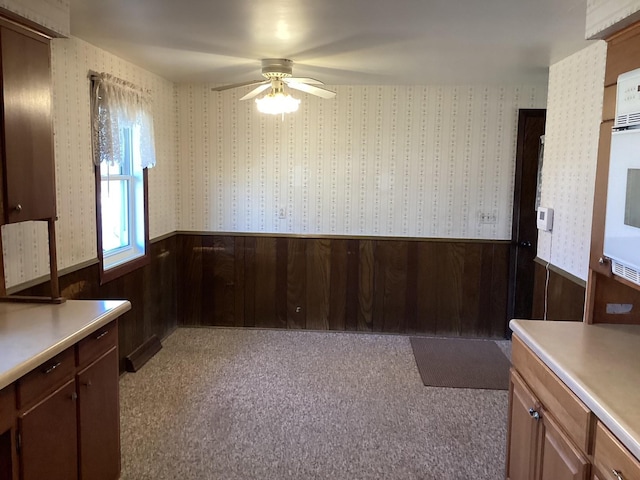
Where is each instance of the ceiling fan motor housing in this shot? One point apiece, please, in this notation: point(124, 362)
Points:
point(277, 68)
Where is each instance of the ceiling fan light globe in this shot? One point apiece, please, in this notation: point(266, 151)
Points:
point(277, 104)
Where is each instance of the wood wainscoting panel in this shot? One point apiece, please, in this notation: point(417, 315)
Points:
point(565, 297)
point(318, 267)
point(438, 287)
point(296, 286)
point(190, 266)
point(152, 291)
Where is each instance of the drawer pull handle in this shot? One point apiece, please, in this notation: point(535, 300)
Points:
point(51, 368)
point(99, 336)
point(534, 414)
point(617, 474)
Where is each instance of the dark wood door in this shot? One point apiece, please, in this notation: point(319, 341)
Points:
point(49, 446)
point(524, 233)
point(28, 166)
point(523, 436)
point(99, 419)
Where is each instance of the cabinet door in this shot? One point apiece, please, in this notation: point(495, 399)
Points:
point(560, 458)
point(28, 148)
point(6, 455)
point(49, 446)
point(99, 418)
point(523, 437)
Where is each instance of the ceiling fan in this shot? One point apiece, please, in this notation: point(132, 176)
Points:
point(278, 73)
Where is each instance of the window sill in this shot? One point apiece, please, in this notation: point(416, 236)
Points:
point(123, 269)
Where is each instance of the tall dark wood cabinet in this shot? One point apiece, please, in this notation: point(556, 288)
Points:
point(27, 168)
point(27, 150)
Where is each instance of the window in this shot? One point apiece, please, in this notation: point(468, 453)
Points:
point(123, 149)
point(122, 201)
point(123, 231)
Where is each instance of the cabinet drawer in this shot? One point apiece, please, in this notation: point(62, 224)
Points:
point(7, 407)
point(46, 377)
point(572, 415)
point(97, 343)
point(611, 455)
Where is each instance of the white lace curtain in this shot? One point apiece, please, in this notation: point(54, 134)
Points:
point(117, 105)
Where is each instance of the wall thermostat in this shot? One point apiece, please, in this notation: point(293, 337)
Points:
point(545, 219)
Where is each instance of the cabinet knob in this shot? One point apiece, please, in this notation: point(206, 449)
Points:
point(602, 260)
point(617, 474)
point(74, 396)
point(534, 414)
point(18, 208)
point(88, 383)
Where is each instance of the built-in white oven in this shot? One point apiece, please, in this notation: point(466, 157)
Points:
point(622, 225)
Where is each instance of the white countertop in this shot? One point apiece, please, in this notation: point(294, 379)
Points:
point(599, 363)
point(32, 333)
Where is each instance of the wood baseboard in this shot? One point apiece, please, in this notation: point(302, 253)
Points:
point(141, 355)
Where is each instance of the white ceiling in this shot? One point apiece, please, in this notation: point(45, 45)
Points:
point(338, 41)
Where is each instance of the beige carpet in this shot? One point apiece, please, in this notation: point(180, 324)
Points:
point(282, 405)
point(461, 363)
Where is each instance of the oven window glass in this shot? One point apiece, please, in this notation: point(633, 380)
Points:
point(632, 207)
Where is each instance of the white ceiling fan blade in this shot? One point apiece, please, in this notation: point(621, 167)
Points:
point(256, 91)
point(311, 81)
point(236, 85)
point(319, 92)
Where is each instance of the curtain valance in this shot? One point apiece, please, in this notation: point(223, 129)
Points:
point(116, 106)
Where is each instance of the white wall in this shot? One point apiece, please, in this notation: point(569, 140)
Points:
point(52, 14)
point(574, 113)
point(25, 245)
point(376, 160)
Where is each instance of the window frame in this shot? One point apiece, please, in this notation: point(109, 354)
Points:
point(140, 260)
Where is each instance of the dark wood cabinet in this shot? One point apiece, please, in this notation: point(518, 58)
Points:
point(27, 150)
point(99, 418)
point(61, 420)
point(48, 432)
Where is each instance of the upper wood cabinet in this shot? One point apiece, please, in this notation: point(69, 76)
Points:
point(26, 139)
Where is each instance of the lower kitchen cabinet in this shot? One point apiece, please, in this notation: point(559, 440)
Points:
point(61, 421)
point(99, 418)
point(524, 436)
point(538, 447)
point(48, 437)
point(611, 460)
point(560, 459)
point(8, 462)
point(550, 429)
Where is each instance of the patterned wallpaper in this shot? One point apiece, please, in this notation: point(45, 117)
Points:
point(603, 15)
point(53, 14)
point(25, 246)
point(426, 161)
point(574, 113)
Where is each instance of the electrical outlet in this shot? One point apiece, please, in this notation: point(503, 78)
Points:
point(487, 218)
